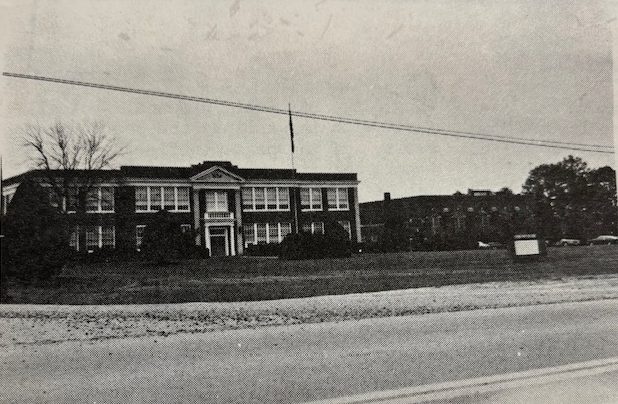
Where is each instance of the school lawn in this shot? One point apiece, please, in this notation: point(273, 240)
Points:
point(255, 278)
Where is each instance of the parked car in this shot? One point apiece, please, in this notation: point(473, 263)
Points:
point(604, 239)
point(564, 242)
point(492, 245)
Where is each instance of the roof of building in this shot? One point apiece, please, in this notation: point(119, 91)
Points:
point(373, 212)
point(187, 172)
point(102, 174)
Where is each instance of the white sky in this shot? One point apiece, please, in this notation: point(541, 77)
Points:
point(533, 69)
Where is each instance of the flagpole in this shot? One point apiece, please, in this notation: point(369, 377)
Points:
point(291, 136)
point(295, 193)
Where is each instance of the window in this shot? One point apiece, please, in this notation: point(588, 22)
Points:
point(153, 198)
point(100, 237)
point(72, 199)
point(107, 199)
point(284, 198)
point(92, 237)
point(141, 199)
point(108, 236)
point(182, 199)
point(261, 233)
point(346, 226)
point(169, 198)
point(286, 228)
point(139, 235)
point(247, 199)
point(258, 196)
point(216, 201)
point(337, 198)
point(185, 228)
point(74, 239)
point(54, 200)
point(273, 232)
point(100, 199)
point(271, 198)
point(314, 228)
point(311, 198)
point(266, 198)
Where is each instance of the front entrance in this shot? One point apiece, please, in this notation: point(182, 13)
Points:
point(219, 244)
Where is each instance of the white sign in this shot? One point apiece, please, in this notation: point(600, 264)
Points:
point(527, 247)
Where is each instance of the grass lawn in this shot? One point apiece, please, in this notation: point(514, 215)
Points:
point(255, 278)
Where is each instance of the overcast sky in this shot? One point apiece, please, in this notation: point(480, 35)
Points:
point(540, 70)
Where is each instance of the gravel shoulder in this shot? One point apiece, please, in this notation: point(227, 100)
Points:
point(47, 324)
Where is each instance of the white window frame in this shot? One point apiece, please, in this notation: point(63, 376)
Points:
point(216, 194)
point(314, 225)
point(311, 200)
point(267, 226)
point(139, 240)
point(338, 206)
point(99, 232)
point(185, 227)
point(251, 207)
point(76, 232)
point(100, 200)
point(149, 205)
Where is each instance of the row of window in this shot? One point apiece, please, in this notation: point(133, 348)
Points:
point(98, 200)
point(254, 233)
point(318, 227)
point(264, 233)
point(311, 198)
point(177, 199)
point(95, 237)
point(482, 210)
point(153, 198)
point(265, 198)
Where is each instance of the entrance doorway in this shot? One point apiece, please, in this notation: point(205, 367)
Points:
point(219, 246)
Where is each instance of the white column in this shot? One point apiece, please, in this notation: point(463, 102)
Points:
point(207, 237)
point(231, 242)
point(357, 215)
point(238, 223)
point(196, 215)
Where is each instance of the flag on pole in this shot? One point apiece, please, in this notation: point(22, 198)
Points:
point(291, 128)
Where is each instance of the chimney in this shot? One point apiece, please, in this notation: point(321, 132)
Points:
point(387, 196)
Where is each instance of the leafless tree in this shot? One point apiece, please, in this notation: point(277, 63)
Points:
point(69, 157)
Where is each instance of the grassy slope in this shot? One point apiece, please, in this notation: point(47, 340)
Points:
point(249, 278)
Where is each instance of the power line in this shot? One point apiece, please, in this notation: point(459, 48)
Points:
point(594, 148)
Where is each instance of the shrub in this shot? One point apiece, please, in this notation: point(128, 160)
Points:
point(395, 235)
point(165, 242)
point(334, 243)
point(36, 239)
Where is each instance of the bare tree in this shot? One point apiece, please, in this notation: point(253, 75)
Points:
point(70, 157)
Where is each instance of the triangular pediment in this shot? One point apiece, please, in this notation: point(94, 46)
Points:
point(216, 174)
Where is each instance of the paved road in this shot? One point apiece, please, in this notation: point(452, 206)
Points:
point(311, 362)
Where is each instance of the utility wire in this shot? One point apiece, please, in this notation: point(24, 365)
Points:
point(595, 148)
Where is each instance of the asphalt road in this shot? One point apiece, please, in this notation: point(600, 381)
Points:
point(311, 362)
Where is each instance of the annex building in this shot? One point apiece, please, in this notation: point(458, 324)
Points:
point(229, 207)
point(450, 221)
